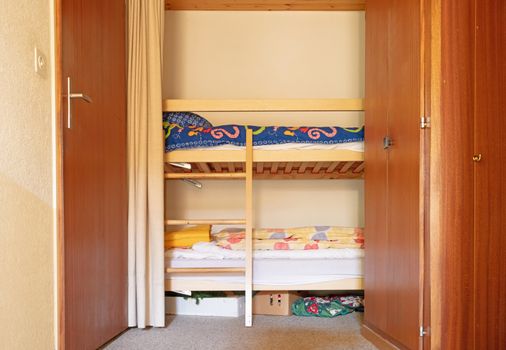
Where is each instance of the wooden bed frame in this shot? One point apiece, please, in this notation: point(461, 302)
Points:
point(287, 164)
point(265, 5)
point(344, 284)
point(248, 163)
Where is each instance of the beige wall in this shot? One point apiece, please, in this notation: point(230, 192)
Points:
point(26, 228)
point(268, 55)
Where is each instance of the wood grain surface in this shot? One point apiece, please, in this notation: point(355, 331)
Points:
point(393, 284)
point(94, 173)
point(490, 175)
point(456, 174)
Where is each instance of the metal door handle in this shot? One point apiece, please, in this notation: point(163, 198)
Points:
point(81, 96)
point(387, 142)
point(70, 96)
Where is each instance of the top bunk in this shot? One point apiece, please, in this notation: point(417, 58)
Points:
point(283, 161)
point(265, 5)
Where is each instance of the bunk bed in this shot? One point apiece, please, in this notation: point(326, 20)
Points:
point(319, 163)
point(248, 164)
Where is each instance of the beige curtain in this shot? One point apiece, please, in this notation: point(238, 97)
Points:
point(145, 164)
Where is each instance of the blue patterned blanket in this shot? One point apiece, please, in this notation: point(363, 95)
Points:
point(177, 137)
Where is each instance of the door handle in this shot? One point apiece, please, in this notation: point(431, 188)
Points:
point(81, 96)
point(70, 96)
point(477, 158)
point(387, 142)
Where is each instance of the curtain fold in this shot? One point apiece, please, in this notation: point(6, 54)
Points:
point(146, 306)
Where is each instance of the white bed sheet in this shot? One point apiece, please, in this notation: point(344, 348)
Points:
point(351, 146)
point(281, 272)
point(282, 268)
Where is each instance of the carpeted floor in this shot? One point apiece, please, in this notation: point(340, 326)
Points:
point(268, 332)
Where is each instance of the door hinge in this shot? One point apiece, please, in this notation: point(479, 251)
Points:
point(424, 331)
point(425, 122)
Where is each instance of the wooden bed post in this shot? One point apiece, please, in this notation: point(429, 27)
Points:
point(248, 276)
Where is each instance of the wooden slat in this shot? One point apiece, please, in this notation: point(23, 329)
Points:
point(260, 168)
point(240, 175)
point(332, 167)
point(217, 167)
point(192, 156)
point(303, 167)
point(281, 171)
point(205, 270)
point(345, 167)
point(359, 168)
point(274, 167)
point(317, 167)
point(203, 167)
point(338, 104)
point(231, 167)
point(288, 168)
point(248, 277)
point(265, 5)
point(205, 222)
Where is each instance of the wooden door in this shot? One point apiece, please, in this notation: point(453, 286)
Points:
point(452, 193)
point(394, 213)
point(490, 175)
point(93, 54)
point(376, 267)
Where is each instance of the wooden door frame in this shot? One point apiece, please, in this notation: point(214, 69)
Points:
point(435, 212)
point(434, 178)
point(428, 20)
point(60, 246)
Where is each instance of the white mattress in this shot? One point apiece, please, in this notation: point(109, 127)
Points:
point(280, 272)
point(351, 146)
point(281, 268)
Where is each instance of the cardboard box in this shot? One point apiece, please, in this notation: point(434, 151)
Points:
point(231, 306)
point(274, 303)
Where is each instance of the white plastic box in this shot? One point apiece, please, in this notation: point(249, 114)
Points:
point(231, 306)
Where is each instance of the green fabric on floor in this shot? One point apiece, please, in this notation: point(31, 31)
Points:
point(319, 307)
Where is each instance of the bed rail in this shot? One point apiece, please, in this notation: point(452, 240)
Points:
point(269, 105)
point(265, 5)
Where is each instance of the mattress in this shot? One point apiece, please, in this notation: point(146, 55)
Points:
point(281, 272)
point(192, 137)
point(210, 251)
point(349, 146)
point(283, 268)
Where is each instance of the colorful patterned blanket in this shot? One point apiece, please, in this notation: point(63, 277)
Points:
point(316, 233)
point(177, 137)
point(326, 306)
point(301, 238)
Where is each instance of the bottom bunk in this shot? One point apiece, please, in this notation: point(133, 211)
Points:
point(269, 274)
point(283, 259)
